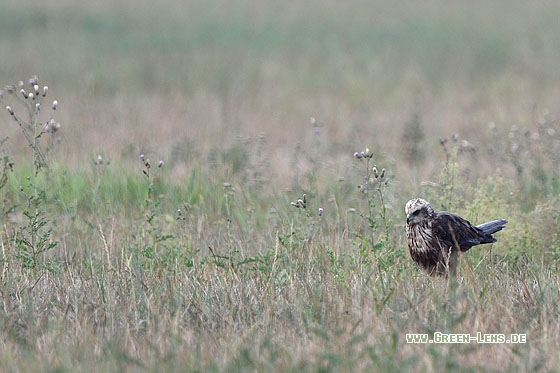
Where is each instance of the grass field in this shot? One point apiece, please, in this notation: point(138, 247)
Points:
point(155, 230)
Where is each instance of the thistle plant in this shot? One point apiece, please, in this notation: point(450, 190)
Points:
point(312, 217)
point(152, 206)
point(26, 110)
point(300, 203)
point(34, 238)
point(372, 189)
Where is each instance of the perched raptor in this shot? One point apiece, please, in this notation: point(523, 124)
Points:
point(435, 238)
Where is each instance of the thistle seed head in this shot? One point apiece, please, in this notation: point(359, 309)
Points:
point(55, 127)
point(300, 203)
point(365, 154)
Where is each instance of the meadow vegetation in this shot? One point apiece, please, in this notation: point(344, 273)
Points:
point(210, 186)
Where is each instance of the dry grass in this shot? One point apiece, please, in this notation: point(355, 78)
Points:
point(301, 317)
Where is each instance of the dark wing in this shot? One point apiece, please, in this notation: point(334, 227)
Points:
point(454, 231)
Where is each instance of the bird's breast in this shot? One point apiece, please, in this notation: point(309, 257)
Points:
point(419, 238)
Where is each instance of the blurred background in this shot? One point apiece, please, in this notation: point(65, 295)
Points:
point(204, 81)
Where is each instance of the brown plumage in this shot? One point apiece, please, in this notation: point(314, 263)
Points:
point(435, 238)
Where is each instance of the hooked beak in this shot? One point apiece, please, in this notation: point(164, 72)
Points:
point(409, 218)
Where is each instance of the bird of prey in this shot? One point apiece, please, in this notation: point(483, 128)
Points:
point(435, 238)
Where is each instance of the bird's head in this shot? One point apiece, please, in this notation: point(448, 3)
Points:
point(417, 210)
